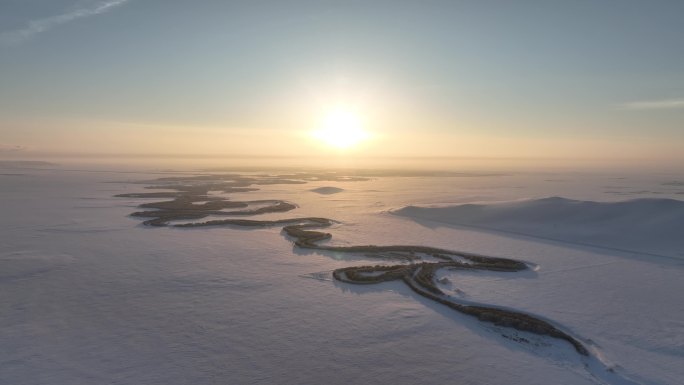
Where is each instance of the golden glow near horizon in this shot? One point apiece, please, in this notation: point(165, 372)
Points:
point(341, 128)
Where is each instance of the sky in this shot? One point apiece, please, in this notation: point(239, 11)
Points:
point(546, 79)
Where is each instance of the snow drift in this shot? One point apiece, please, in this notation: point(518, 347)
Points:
point(654, 226)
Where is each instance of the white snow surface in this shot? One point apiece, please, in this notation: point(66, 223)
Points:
point(646, 225)
point(90, 296)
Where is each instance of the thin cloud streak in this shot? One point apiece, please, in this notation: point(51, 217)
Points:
point(668, 104)
point(37, 26)
point(11, 148)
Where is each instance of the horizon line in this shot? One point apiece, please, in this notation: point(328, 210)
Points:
point(25, 154)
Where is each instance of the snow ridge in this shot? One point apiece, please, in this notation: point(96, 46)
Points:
point(651, 226)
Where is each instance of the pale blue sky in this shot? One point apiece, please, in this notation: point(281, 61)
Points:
point(542, 71)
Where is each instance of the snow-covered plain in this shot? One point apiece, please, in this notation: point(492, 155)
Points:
point(90, 296)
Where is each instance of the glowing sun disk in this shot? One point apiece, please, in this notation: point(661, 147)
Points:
point(341, 128)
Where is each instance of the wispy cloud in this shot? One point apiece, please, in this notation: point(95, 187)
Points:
point(37, 26)
point(666, 104)
point(11, 148)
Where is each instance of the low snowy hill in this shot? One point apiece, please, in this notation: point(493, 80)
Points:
point(327, 190)
point(645, 225)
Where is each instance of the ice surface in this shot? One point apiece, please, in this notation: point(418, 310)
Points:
point(89, 296)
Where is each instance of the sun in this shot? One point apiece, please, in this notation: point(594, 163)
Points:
point(341, 128)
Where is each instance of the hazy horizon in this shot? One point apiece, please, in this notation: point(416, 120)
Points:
point(320, 162)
